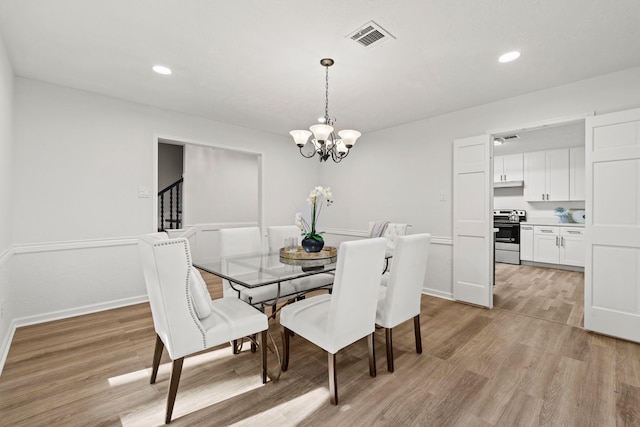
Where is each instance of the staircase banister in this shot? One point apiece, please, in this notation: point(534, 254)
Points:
point(170, 186)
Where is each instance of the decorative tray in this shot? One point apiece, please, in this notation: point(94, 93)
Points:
point(328, 255)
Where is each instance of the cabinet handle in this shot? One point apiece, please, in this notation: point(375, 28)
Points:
point(546, 231)
point(547, 196)
point(557, 241)
point(573, 232)
point(524, 227)
point(562, 242)
point(542, 196)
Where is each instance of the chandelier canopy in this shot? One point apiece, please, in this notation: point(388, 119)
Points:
point(324, 141)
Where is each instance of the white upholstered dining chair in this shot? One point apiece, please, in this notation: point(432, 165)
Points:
point(334, 321)
point(390, 231)
point(400, 299)
point(185, 319)
point(277, 233)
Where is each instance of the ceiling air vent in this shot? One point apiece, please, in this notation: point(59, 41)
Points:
point(370, 34)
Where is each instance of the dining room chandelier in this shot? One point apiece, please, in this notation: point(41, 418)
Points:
point(324, 141)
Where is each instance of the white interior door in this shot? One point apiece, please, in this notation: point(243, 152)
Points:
point(472, 221)
point(612, 274)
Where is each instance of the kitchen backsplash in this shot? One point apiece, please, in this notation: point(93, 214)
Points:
point(512, 198)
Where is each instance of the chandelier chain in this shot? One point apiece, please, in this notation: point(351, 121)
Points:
point(326, 100)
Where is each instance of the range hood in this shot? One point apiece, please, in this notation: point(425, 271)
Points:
point(504, 184)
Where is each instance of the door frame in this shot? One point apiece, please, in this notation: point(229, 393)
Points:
point(558, 121)
point(166, 139)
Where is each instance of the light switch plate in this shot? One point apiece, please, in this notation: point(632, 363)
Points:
point(143, 192)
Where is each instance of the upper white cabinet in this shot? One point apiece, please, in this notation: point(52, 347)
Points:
point(508, 168)
point(576, 173)
point(546, 175)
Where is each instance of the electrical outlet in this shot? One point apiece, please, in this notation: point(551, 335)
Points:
point(443, 196)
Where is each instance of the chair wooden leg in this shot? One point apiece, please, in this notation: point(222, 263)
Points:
point(157, 355)
point(372, 354)
point(263, 355)
point(286, 333)
point(389, 340)
point(235, 347)
point(333, 378)
point(173, 387)
point(416, 328)
point(253, 343)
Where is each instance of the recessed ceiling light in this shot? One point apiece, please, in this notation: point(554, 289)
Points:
point(509, 56)
point(161, 69)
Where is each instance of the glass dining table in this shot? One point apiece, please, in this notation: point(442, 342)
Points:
point(257, 270)
point(278, 268)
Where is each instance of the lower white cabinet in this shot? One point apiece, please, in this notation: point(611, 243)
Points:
point(526, 242)
point(546, 244)
point(558, 245)
point(572, 246)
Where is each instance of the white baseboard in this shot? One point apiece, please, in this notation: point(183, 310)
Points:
point(79, 311)
point(437, 293)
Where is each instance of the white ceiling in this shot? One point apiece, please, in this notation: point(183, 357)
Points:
point(255, 63)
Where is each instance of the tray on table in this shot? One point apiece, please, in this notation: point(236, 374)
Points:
point(328, 255)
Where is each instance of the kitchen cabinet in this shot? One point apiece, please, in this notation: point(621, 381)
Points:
point(576, 173)
point(572, 246)
point(509, 167)
point(546, 175)
point(546, 246)
point(526, 242)
point(558, 245)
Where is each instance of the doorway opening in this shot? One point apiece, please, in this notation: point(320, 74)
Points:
point(210, 185)
point(525, 283)
point(170, 186)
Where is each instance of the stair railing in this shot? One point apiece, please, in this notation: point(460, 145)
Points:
point(172, 193)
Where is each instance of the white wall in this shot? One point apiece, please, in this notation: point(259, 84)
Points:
point(220, 185)
point(79, 159)
point(401, 173)
point(6, 147)
point(6, 178)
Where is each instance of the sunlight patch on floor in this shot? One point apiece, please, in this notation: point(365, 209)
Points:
point(165, 368)
point(202, 384)
point(291, 412)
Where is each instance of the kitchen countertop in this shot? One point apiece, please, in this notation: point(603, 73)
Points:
point(550, 221)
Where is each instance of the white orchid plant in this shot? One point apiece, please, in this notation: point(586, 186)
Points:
point(316, 202)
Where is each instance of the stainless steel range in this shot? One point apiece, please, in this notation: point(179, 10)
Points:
point(507, 236)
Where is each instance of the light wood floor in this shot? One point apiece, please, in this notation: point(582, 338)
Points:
point(546, 293)
point(501, 367)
